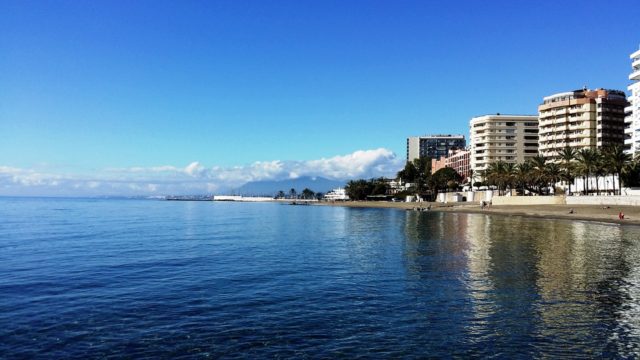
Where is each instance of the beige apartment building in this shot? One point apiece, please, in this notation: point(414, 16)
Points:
point(509, 138)
point(581, 119)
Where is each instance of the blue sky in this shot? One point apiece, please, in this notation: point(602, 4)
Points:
point(91, 90)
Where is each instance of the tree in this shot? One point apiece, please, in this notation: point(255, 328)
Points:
point(538, 175)
point(292, 193)
point(523, 176)
point(280, 195)
point(567, 160)
point(501, 175)
point(423, 168)
point(441, 178)
point(358, 189)
point(553, 174)
point(587, 162)
point(417, 172)
point(616, 160)
point(631, 173)
point(379, 187)
point(307, 193)
point(409, 173)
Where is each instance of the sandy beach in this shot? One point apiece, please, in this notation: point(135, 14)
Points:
point(580, 212)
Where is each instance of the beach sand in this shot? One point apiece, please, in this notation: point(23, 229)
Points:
point(597, 213)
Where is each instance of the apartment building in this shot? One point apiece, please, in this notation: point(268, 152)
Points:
point(509, 138)
point(581, 119)
point(460, 161)
point(632, 112)
point(457, 159)
point(439, 163)
point(433, 146)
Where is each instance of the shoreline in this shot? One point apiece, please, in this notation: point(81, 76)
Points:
point(590, 213)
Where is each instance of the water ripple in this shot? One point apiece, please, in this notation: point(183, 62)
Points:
point(149, 279)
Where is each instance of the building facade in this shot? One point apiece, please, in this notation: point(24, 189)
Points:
point(632, 112)
point(581, 119)
point(457, 159)
point(437, 164)
point(460, 161)
point(509, 138)
point(433, 146)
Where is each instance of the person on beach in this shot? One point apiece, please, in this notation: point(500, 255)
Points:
point(621, 215)
point(482, 205)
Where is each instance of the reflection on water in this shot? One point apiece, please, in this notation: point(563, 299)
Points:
point(144, 279)
point(552, 287)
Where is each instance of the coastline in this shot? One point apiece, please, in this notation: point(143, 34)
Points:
point(591, 213)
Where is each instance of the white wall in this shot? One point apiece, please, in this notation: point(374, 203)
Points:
point(603, 200)
point(528, 200)
point(604, 183)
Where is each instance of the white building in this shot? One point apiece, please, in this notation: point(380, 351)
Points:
point(632, 112)
point(508, 138)
point(336, 194)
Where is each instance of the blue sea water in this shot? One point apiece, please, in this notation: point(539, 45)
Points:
point(83, 278)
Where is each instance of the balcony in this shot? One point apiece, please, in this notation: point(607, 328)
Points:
point(582, 117)
point(635, 75)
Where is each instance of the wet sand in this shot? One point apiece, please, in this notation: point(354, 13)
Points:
point(596, 213)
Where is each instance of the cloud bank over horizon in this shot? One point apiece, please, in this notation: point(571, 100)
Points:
point(193, 178)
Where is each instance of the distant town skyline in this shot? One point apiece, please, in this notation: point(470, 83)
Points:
point(163, 97)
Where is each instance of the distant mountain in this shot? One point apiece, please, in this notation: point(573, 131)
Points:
point(271, 188)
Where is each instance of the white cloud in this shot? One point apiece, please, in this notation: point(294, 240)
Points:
point(195, 178)
point(194, 169)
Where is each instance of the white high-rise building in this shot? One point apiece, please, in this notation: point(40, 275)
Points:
point(632, 112)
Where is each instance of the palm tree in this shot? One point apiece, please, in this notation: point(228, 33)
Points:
point(498, 174)
point(553, 174)
point(600, 169)
point(292, 193)
point(567, 157)
point(523, 175)
point(509, 175)
point(616, 159)
point(631, 173)
point(538, 171)
point(587, 161)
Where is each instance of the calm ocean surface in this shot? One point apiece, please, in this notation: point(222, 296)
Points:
point(160, 279)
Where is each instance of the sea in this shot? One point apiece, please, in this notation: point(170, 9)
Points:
point(145, 279)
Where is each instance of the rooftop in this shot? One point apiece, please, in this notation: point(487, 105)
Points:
point(583, 93)
point(441, 136)
point(499, 116)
